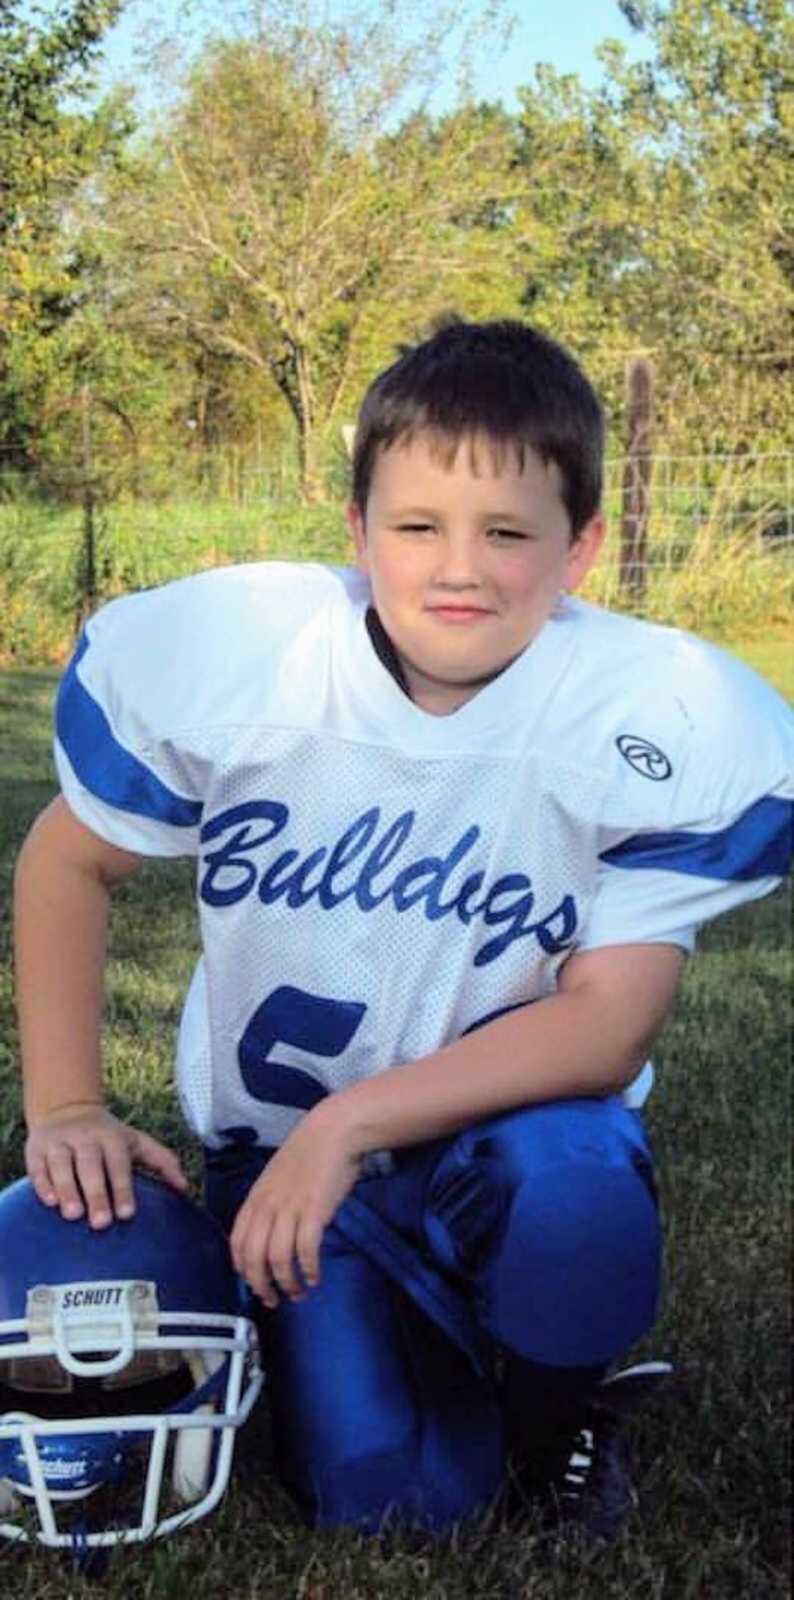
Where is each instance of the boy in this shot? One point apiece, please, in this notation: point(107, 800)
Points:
point(455, 831)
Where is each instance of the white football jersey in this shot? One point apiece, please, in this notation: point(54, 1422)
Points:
point(374, 881)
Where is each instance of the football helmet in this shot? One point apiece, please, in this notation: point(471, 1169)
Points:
point(127, 1363)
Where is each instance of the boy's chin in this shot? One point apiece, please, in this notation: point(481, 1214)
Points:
point(470, 677)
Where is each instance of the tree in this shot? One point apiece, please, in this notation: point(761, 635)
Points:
point(656, 217)
point(45, 154)
point(38, 65)
point(293, 218)
point(578, 223)
point(715, 110)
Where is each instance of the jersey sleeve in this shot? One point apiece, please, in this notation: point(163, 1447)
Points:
point(117, 758)
point(725, 828)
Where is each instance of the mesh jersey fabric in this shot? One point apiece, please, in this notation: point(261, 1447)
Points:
point(373, 881)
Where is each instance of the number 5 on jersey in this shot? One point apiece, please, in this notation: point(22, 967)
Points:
point(310, 1022)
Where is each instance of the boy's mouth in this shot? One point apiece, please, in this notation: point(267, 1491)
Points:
point(450, 613)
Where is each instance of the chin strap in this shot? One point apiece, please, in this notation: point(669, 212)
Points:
point(81, 1549)
point(210, 1389)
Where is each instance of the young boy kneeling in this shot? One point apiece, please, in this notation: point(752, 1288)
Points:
point(454, 831)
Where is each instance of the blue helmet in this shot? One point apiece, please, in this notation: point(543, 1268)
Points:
point(127, 1361)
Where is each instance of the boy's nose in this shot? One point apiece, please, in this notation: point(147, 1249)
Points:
point(457, 568)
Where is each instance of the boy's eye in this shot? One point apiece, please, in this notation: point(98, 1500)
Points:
point(507, 533)
point(414, 527)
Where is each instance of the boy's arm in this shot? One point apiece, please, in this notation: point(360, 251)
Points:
point(589, 1039)
point(78, 1155)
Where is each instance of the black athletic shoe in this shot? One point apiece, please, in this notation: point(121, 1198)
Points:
point(588, 1491)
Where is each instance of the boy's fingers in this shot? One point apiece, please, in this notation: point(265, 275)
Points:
point(60, 1162)
point(89, 1171)
point(258, 1278)
point(91, 1174)
point(118, 1167)
point(158, 1158)
point(266, 1290)
point(309, 1239)
point(281, 1256)
point(39, 1175)
point(239, 1236)
point(249, 1247)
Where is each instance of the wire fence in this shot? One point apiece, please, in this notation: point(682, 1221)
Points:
point(728, 495)
point(705, 541)
point(748, 494)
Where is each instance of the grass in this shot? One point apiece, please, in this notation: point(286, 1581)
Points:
point(711, 1463)
point(721, 580)
point(138, 544)
point(773, 657)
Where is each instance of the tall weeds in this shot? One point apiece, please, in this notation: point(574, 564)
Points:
point(722, 583)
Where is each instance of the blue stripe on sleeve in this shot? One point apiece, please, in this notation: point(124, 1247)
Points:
point(103, 765)
point(757, 845)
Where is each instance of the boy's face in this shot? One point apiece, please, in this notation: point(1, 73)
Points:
point(466, 559)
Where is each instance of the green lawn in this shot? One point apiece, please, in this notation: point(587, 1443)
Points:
point(711, 1463)
point(773, 658)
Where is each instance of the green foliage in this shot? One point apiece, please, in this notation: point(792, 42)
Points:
point(713, 581)
point(234, 275)
point(715, 112)
point(720, 554)
point(46, 151)
point(721, 586)
point(38, 601)
point(139, 544)
point(283, 224)
point(657, 218)
point(772, 657)
point(37, 65)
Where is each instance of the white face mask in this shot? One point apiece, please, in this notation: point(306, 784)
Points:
point(133, 1385)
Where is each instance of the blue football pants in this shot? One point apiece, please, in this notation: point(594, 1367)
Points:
point(534, 1233)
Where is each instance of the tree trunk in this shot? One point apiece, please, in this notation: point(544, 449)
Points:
point(86, 561)
point(312, 484)
point(637, 479)
point(311, 479)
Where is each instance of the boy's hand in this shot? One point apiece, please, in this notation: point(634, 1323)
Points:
point(81, 1160)
point(278, 1230)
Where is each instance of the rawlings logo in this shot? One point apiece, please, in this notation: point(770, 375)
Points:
point(360, 867)
point(644, 757)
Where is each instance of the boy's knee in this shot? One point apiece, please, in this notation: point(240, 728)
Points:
point(551, 1215)
point(576, 1278)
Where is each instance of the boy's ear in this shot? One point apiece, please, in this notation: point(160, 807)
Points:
point(355, 522)
point(584, 552)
